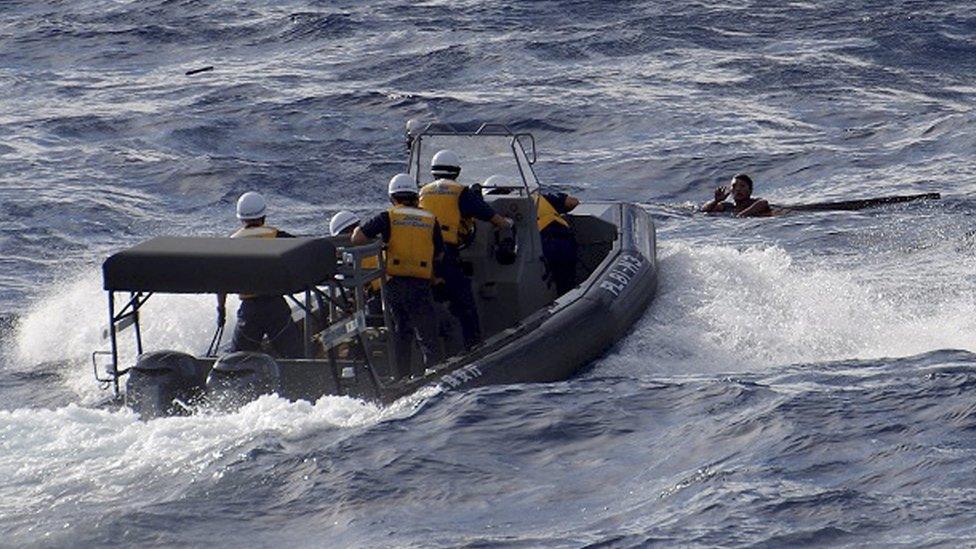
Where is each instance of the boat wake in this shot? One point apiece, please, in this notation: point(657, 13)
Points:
point(723, 309)
point(719, 309)
point(68, 323)
point(85, 458)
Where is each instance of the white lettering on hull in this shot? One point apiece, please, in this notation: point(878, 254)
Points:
point(621, 273)
point(460, 377)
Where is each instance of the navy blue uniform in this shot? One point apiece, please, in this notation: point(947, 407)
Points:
point(410, 303)
point(472, 204)
point(559, 247)
point(267, 316)
point(260, 316)
point(457, 286)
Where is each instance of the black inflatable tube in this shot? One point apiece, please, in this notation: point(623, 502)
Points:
point(578, 331)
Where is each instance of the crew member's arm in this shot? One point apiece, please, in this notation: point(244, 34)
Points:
point(717, 204)
point(221, 309)
point(502, 222)
point(562, 202)
point(757, 208)
point(358, 238)
point(378, 225)
point(472, 204)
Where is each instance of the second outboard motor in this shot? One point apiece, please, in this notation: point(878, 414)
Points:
point(160, 378)
point(241, 377)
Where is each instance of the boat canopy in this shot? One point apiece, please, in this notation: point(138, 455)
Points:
point(195, 265)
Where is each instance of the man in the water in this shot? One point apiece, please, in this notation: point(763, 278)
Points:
point(744, 206)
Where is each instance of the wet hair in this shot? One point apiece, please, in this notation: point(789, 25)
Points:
point(743, 178)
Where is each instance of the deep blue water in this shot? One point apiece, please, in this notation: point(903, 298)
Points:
point(802, 380)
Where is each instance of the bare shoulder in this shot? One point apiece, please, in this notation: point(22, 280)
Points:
point(758, 208)
point(721, 207)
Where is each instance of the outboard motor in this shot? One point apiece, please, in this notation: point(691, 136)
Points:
point(241, 377)
point(161, 378)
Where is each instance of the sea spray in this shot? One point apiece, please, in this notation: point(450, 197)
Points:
point(69, 322)
point(85, 457)
point(724, 309)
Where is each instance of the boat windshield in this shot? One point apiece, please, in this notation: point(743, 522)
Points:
point(482, 156)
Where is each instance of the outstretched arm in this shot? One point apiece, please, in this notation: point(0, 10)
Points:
point(376, 226)
point(502, 222)
point(759, 207)
point(716, 204)
point(358, 238)
point(472, 204)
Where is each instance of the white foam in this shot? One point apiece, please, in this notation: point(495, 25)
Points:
point(60, 459)
point(69, 321)
point(67, 324)
point(721, 309)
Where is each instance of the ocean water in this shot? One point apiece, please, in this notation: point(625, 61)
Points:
point(800, 380)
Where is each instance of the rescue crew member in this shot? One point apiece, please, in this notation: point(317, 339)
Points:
point(455, 206)
point(261, 315)
point(558, 240)
point(745, 205)
point(413, 242)
point(343, 223)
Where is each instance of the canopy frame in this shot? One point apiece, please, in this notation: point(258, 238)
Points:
point(524, 161)
point(341, 324)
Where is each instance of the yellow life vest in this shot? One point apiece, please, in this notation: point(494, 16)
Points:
point(441, 199)
point(371, 263)
point(546, 214)
point(260, 231)
point(410, 251)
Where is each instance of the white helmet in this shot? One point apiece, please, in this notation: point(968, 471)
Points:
point(445, 164)
point(497, 181)
point(342, 221)
point(251, 205)
point(414, 126)
point(402, 183)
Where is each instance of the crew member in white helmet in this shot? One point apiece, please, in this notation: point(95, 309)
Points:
point(344, 223)
point(413, 241)
point(261, 315)
point(456, 206)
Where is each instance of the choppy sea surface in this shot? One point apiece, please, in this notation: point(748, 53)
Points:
point(801, 380)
